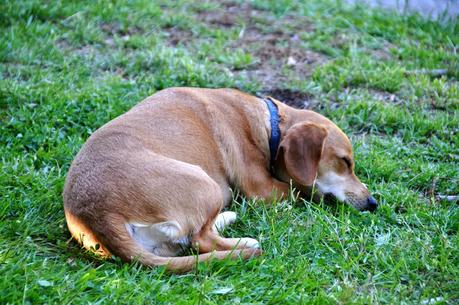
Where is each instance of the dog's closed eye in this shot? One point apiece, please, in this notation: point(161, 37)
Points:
point(347, 161)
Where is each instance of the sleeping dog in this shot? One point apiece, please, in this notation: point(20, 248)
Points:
point(155, 179)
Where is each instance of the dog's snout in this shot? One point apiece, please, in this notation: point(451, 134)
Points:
point(372, 204)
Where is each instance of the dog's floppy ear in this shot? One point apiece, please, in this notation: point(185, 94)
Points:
point(301, 149)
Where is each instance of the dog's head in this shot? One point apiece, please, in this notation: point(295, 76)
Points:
point(316, 154)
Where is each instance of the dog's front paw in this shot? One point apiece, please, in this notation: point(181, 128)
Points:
point(224, 219)
point(249, 243)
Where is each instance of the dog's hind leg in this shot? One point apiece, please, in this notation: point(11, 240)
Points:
point(208, 240)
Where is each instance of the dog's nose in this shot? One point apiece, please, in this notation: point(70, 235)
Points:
point(371, 204)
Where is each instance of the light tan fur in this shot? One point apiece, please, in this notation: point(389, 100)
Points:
point(156, 178)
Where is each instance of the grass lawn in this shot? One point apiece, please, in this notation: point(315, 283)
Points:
point(68, 67)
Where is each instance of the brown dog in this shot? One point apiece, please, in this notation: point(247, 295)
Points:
point(156, 178)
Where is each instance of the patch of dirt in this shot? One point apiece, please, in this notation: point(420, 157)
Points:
point(83, 51)
point(381, 54)
point(114, 29)
point(111, 28)
point(62, 44)
point(218, 18)
point(385, 97)
point(274, 43)
point(93, 56)
point(293, 98)
point(176, 36)
point(275, 63)
point(229, 14)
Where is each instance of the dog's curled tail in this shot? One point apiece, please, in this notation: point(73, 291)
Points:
point(109, 236)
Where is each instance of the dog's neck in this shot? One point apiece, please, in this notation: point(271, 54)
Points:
point(275, 136)
point(279, 114)
point(286, 116)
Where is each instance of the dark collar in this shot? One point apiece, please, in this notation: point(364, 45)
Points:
point(274, 139)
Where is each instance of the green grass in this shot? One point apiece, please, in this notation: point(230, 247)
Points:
point(68, 67)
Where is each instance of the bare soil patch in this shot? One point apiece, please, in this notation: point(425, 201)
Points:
point(274, 43)
point(293, 98)
point(84, 50)
point(114, 28)
point(178, 36)
point(385, 97)
point(278, 53)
